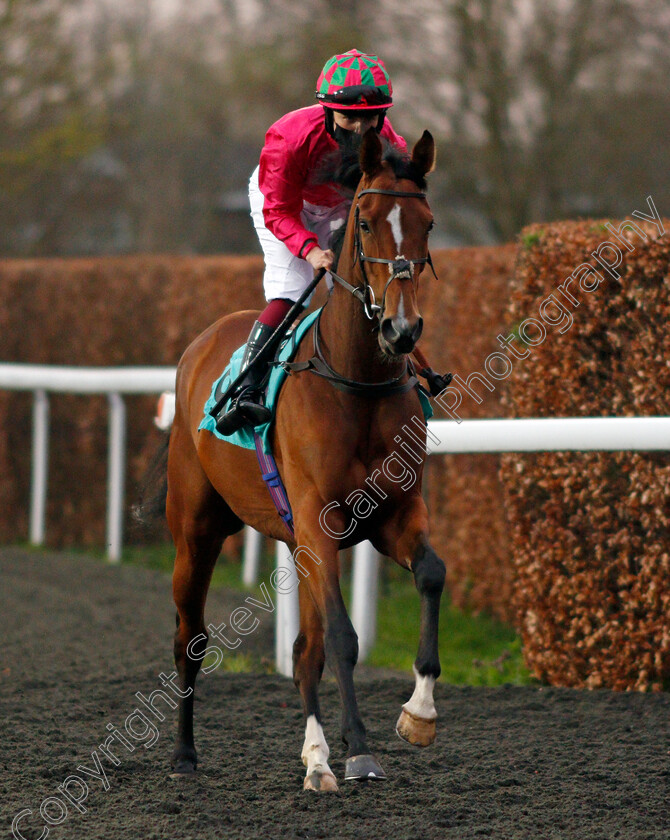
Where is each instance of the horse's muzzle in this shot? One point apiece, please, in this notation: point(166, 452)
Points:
point(398, 336)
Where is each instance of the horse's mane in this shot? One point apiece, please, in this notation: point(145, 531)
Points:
point(342, 168)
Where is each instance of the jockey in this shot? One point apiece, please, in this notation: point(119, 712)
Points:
point(293, 213)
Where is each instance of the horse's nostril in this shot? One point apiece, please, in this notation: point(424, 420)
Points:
point(388, 330)
point(400, 335)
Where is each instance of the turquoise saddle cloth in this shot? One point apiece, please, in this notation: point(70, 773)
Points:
point(245, 436)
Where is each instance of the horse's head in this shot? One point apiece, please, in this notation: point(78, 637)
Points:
point(392, 221)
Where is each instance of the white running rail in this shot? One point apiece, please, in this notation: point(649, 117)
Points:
point(45, 379)
point(580, 434)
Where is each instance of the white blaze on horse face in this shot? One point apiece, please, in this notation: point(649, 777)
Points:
point(315, 750)
point(421, 703)
point(393, 219)
point(400, 315)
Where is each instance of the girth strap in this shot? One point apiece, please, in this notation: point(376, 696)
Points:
point(273, 482)
point(371, 390)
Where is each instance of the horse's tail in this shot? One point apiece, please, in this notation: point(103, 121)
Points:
point(153, 488)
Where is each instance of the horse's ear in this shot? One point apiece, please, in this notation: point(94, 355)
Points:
point(370, 156)
point(423, 153)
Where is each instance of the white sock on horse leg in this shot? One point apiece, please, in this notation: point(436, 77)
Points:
point(421, 703)
point(315, 750)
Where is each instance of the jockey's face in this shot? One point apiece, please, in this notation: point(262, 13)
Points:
point(357, 121)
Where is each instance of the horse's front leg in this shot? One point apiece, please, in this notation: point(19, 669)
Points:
point(319, 558)
point(410, 548)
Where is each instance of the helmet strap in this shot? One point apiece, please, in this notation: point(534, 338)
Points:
point(330, 122)
point(380, 122)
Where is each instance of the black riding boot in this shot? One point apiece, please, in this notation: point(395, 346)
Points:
point(247, 407)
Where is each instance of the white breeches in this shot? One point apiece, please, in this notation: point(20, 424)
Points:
point(287, 276)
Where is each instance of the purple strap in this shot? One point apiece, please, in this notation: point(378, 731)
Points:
point(273, 481)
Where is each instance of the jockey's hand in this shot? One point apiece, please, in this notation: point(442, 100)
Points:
point(320, 259)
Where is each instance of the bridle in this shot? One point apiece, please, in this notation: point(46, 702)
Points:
point(400, 267)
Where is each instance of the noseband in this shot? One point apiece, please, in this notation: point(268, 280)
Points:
point(398, 267)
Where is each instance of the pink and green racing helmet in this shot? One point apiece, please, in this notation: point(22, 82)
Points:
point(354, 81)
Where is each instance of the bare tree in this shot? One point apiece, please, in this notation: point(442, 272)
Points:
point(503, 82)
point(130, 126)
point(43, 119)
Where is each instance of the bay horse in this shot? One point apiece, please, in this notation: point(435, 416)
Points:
point(326, 442)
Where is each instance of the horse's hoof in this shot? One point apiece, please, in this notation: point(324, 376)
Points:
point(321, 782)
point(415, 730)
point(184, 768)
point(363, 767)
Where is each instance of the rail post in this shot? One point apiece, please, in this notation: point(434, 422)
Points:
point(116, 476)
point(253, 542)
point(364, 586)
point(288, 612)
point(40, 467)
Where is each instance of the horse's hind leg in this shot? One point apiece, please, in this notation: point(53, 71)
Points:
point(308, 661)
point(199, 520)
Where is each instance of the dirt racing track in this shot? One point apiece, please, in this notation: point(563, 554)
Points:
point(81, 638)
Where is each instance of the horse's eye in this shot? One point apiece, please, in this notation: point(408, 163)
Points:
point(431, 226)
point(365, 226)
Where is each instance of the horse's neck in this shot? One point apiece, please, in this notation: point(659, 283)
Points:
point(349, 343)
